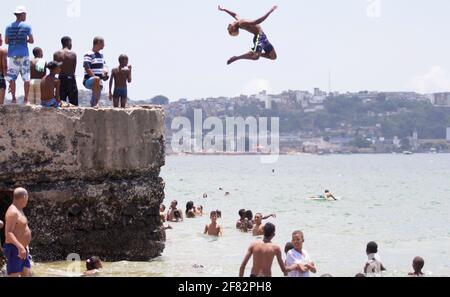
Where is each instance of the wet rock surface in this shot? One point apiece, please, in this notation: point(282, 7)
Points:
point(92, 176)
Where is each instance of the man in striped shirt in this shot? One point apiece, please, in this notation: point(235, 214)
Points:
point(95, 70)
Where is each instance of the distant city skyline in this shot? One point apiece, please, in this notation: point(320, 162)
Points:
point(179, 48)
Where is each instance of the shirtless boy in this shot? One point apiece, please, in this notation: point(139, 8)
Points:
point(50, 86)
point(3, 71)
point(37, 73)
point(18, 236)
point(260, 42)
point(263, 252)
point(120, 76)
point(68, 58)
point(258, 227)
point(213, 229)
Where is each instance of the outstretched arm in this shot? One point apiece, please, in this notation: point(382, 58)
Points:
point(233, 14)
point(262, 19)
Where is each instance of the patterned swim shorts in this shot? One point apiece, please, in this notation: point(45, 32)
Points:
point(18, 66)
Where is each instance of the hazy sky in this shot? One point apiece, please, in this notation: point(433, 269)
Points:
point(179, 48)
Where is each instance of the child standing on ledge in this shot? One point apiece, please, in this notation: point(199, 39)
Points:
point(120, 76)
point(37, 73)
point(50, 86)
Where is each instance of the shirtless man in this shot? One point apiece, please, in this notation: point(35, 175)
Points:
point(37, 73)
point(171, 213)
point(50, 86)
point(329, 195)
point(17, 236)
point(258, 228)
point(260, 41)
point(68, 58)
point(120, 76)
point(263, 253)
point(213, 229)
point(3, 71)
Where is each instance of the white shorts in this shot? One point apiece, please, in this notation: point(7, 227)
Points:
point(34, 96)
point(18, 66)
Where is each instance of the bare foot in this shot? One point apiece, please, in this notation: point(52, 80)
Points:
point(231, 60)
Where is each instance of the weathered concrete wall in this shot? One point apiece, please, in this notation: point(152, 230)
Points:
point(93, 178)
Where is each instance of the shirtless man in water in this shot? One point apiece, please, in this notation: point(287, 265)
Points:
point(263, 253)
point(18, 236)
point(258, 227)
point(260, 42)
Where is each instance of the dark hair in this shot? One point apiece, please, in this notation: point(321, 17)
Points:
point(122, 57)
point(53, 65)
point(214, 213)
point(242, 213)
point(269, 230)
point(249, 215)
point(418, 263)
point(36, 51)
point(289, 246)
point(189, 206)
point(177, 214)
point(360, 275)
point(163, 206)
point(327, 191)
point(219, 214)
point(65, 41)
point(93, 263)
point(98, 39)
point(326, 275)
point(372, 248)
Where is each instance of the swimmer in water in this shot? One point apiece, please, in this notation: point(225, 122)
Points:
point(162, 214)
point(329, 195)
point(93, 266)
point(199, 211)
point(190, 210)
point(213, 229)
point(418, 264)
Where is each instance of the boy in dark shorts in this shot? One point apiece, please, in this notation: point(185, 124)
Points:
point(120, 76)
point(261, 45)
point(50, 86)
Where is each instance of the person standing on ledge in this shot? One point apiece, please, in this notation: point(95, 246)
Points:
point(37, 70)
point(120, 76)
point(3, 70)
point(95, 70)
point(17, 236)
point(17, 36)
point(68, 58)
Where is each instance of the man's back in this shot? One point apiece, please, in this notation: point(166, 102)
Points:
point(69, 60)
point(263, 256)
point(17, 34)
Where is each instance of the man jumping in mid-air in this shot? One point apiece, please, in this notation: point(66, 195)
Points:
point(260, 41)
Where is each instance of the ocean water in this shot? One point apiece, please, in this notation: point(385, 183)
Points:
point(401, 202)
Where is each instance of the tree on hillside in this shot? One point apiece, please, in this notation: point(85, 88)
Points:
point(160, 100)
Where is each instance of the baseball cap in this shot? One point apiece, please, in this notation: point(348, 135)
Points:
point(20, 10)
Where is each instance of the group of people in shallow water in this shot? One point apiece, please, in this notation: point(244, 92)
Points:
point(297, 262)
